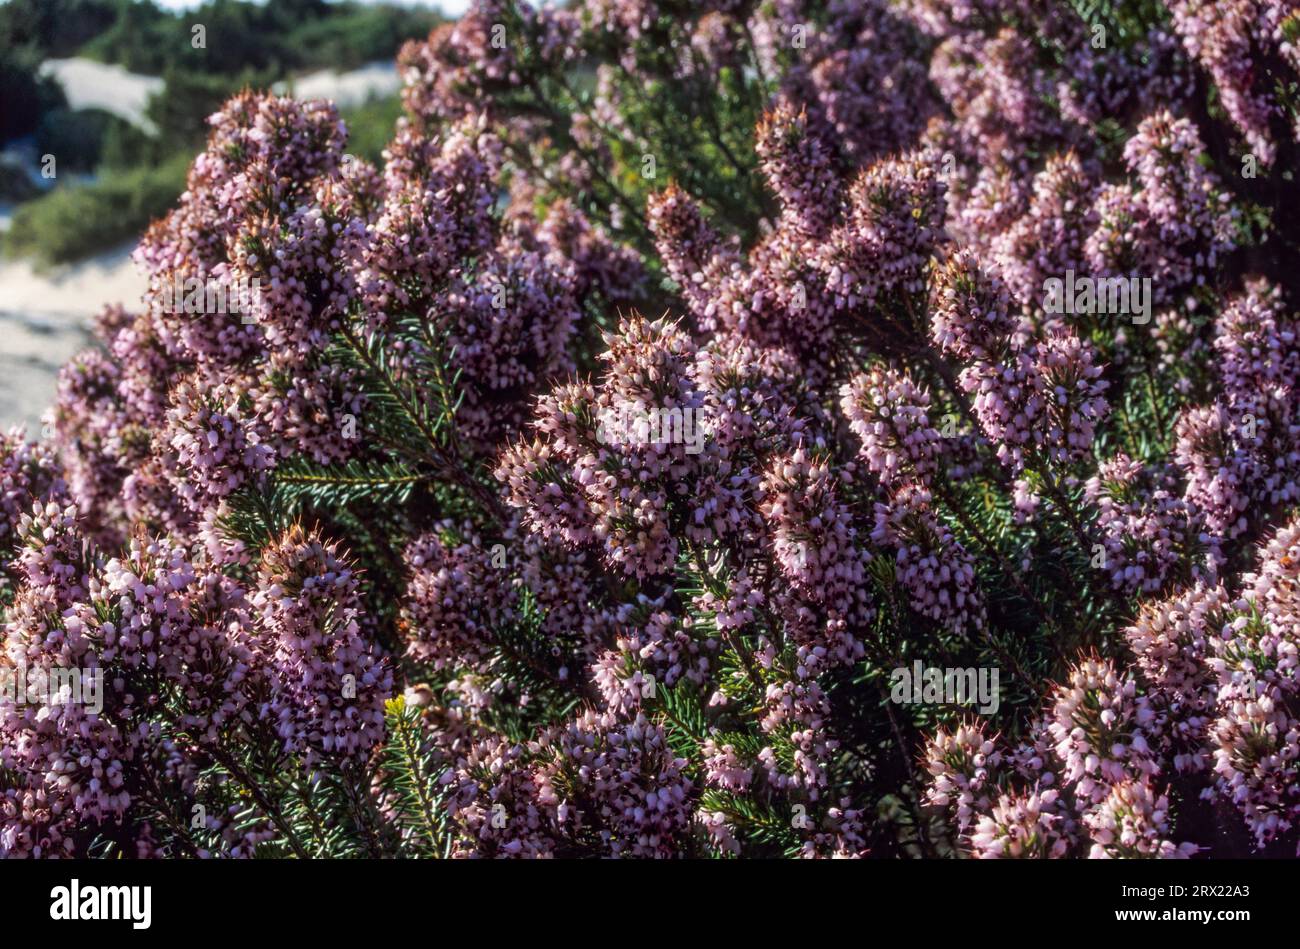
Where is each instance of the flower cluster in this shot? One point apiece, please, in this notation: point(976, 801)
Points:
point(1035, 398)
point(1211, 694)
point(1228, 39)
point(131, 671)
point(327, 686)
point(576, 475)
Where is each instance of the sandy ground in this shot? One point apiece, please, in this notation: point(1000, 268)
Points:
point(44, 321)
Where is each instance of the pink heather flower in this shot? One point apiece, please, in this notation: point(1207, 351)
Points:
point(813, 536)
point(724, 768)
point(53, 556)
point(969, 304)
point(987, 207)
point(736, 607)
point(437, 209)
point(718, 830)
point(622, 785)
point(1170, 640)
point(1276, 586)
point(653, 648)
point(456, 600)
point(1025, 500)
point(1146, 529)
point(778, 297)
point(840, 835)
point(997, 95)
point(500, 806)
point(1255, 659)
point(1026, 826)
point(598, 264)
point(1227, 38)
point(1257, 345)
point(694, 254)
point(328, 685)
point(936, 571)
point(1219, 469)
point(153, 629)
point(860, 77)
point(68, 764)
point(463, 64)
point(894, 217)
point(1174, 228)
point(1103, 730)
point(654, 444)
point(96, 438)
point(216, 449)
point(1132, 822)
point(1098, 84)
point(28, 474)
point(1254, 741)
point(1049, 239)
point(963, 766)
point(598, 781)
point(800, 168)
point(1033, 398)
point(1074, 404)
point(889, 413)
point(509, 325)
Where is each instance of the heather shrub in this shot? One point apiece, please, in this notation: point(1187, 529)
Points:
point(729, 429)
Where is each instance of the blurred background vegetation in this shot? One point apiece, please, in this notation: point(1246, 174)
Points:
point(114, 176)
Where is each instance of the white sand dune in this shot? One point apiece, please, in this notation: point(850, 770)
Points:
point(91, 85)
point(346, 89)
point(45, 320)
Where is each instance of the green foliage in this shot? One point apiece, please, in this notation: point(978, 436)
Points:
point(141, 37)
point(71, 223)
point(75, 137)
point(404, 418)
point(370, 127)
point(59, 27)
point(280, 37)
point(704, 143)
point(524, 659)
point(408, 774)
point(1126, 21)
point(349, 35)
point(24, 95)
point(15, 183)
point(346, 484)
point(258, 514)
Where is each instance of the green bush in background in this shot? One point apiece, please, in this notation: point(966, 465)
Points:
point(370, 127)
point(248, 45)
point(71, 223)
point(24, 95)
